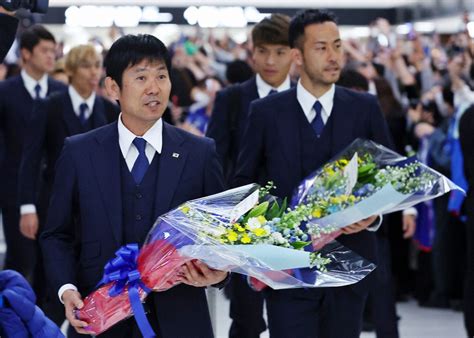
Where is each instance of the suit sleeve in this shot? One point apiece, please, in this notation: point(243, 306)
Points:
point(32, 153)
point(218, 128)
point(213, 176)
point(57, 239)
point(466, 129)
point(251, 149)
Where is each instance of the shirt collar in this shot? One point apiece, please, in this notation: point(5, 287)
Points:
point(77, 100)
point(30, 84)
point(264, 88)
point(307, 100)
point(154, 136)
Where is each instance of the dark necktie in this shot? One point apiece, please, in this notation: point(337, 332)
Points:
point(82, 113)
point(141, 163)
point(37, 91)
point(317, 123)
point(272, 91)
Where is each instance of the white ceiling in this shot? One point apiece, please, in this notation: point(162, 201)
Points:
point(256, 3)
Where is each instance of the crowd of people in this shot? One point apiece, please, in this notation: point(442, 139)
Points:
point(277, 107)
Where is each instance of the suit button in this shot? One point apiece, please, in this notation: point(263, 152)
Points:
point(138, 195)
point(138, 217)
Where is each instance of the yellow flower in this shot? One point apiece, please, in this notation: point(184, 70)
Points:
point(316, 213)
point(352, 198)
point(335, 200)
point(185, 209)
point(238, 227)
point(232, 235)
point(260, 232)
point(262, 219)
point(245, 239)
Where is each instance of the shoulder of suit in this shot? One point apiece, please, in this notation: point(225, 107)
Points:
point(187, 137)
point(355, 95)
point(276, 99)
point(92, 135)
point(8, 83)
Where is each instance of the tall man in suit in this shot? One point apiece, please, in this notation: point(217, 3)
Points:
point(116, 180)
point(272, 61)
point(63, 114)
point(291, 134)
point(18, 96)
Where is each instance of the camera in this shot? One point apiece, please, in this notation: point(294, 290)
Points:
point(38, 6)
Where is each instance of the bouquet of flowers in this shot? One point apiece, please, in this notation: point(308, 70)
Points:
point(365, 179)
point(245, 230)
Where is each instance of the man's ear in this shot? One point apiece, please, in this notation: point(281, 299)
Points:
point(297, 56)
point(112, 88)
point(25, 54)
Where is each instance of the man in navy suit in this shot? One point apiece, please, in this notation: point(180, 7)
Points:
point(272, 61)
point(64, 114)
point(116, 180)
point(291, 134)
point(18, 96)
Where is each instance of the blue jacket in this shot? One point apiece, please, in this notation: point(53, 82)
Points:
point(19, 316)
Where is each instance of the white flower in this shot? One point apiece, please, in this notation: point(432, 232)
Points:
point(253, 223)
point(278, 238)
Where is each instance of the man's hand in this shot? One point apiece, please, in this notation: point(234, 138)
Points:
point(409, 226)
point(359, 226)
point(4, 11)
point(29, 225)
point(72, 301)
point(198, 274)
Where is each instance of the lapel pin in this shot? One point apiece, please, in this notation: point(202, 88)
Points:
point(175, 155)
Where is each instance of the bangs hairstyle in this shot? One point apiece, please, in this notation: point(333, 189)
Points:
point(33, 35)
point(130, 50)
point(80, 54)
point(272, 30)
point(303, 19)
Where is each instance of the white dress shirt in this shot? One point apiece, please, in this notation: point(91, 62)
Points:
point(154, 144)
point(307, 101)
point(31, 83)
point(264, 88)
point(77, 100)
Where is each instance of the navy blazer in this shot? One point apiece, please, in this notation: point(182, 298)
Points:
point(53, 121)
point(16, 107)
point(88, 178)
point(272, 143)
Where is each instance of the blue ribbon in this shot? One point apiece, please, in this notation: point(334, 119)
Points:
point(123, 271)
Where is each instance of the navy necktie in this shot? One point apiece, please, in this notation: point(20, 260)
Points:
point(317, 123)
point(141, 163)
point(82, 113)
point(37, 91)
point(272, 91)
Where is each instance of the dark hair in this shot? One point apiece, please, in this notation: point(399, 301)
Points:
point(305, 18)
point(448, 95)
point(390, 106)
point(352, 79)
point(33, 35)
point(130, 50)
point(272, 30)
point(238, 71)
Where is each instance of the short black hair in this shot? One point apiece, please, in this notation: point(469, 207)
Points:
point(305, 18)
point(33, 35)
point(130, 50)
point(271, 30)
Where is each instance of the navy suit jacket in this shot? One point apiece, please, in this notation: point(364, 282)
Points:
point(16, 107)
point(272, 143)
point(53, 121)
point(88, 180)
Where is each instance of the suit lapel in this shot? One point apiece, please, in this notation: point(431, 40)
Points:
point(172, 159)
point(288, 131)
point(343, 121)
point(71, 120)
point(249, 94)
point(105, 159)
